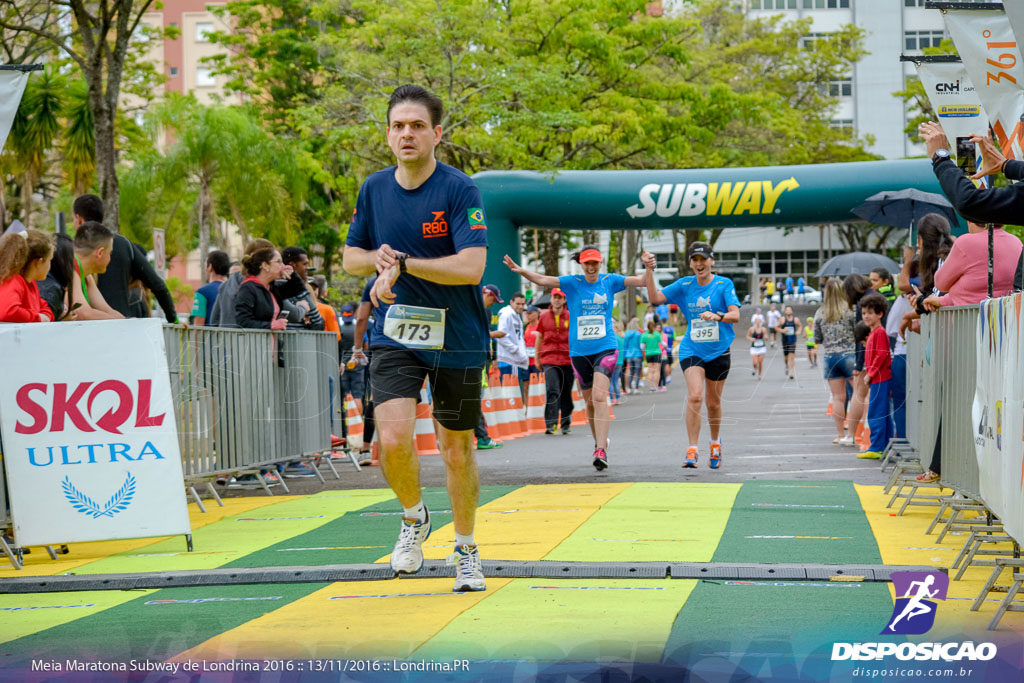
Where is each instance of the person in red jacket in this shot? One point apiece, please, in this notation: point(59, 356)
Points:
point(552, 343)
point(24, 259)
point(878, 375)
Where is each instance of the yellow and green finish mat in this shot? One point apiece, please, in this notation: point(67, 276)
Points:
point(769, 629)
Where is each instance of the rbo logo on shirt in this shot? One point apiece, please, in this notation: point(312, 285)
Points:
point(437, 227)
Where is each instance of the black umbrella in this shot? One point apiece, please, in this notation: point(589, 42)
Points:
point(903, 208)
point(858, 262)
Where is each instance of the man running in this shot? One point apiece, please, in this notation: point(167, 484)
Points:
point(711, 306)
point(774, 318)
point(592, 347)
point(421, 226)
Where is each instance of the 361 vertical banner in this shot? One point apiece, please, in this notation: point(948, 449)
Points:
point(992, 58)
point(90, 442)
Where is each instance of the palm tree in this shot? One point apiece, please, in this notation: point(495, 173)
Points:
point(33, 131)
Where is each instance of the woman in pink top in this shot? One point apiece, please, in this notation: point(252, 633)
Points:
point(964, 274)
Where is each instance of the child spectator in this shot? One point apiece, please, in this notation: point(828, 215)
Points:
point(878, 374)
point(24, 259)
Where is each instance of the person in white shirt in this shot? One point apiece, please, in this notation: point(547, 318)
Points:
point(774, 318)
point(512, 358)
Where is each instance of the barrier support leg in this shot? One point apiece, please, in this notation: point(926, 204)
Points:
point(14, 557)
point(195, 496)
point(51, 552)
point(188, 542)
point(213, 492)
point(1006, 604)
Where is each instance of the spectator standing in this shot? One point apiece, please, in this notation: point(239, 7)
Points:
point(833, 331)
point(223, 313)
point(553, 360)
point(24, 260)
point(55, 287)
point(125, 264)
point(512, 358)
point(93, 242)
point(303, 313)
point(898, 340)
point(256, 305)
point(801, 288)
point(878, 374)
point(769, 290)
point(318, 289)
point(217, 265)
point(855, 286)
point(964, 273)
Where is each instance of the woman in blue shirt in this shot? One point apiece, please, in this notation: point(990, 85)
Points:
point(634, 357)
point(592, 347)
point(711, 307)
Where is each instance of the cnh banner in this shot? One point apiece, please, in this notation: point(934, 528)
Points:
point(12, 87)
point(998, 410)
point(953, 99)
point(990, 54)
point(90, 443)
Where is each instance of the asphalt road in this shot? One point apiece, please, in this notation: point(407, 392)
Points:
point(775, 428)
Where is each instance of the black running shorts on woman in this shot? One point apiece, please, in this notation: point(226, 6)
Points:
point(716, 369)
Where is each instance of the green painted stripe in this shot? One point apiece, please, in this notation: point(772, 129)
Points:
point(236, 537)
point(157, 632)
point(354, 531)
point(652, 522)
point(765, 624)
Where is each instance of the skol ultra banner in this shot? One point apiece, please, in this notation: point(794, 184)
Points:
point(953, 98)
point(12, 87)
point(992, 58)
point(90, 442)
point(998, 412)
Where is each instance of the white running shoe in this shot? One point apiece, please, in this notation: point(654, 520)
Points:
point(407, 557)
point(846, 441)
point(469, 571)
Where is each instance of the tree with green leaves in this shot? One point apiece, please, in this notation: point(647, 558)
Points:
point(98, 38)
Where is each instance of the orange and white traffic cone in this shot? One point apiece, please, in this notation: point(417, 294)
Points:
point(355, 423)
point(579, 407)
point(535, 398)
point(424, 436)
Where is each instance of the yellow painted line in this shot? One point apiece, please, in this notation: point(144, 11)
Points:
point(679, 522)
point(38, 563)
point(56, 609)
point(902, 540)
point(624, 620)
point(317, 627)
point(534, 517)
point(395, 627)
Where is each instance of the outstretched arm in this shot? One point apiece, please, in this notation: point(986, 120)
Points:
point(535, 278)
point(654, 295)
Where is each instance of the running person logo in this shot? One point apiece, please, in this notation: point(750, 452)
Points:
point(914, 612)
point(438, 227)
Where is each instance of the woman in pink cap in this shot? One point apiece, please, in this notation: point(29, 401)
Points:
point(593, 349)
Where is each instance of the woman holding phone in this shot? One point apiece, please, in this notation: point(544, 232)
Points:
point(257, 306)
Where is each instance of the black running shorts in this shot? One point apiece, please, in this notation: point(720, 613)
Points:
point(716, 369)
point(399, 373)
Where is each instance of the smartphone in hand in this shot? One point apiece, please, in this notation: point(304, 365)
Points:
point(966, 155)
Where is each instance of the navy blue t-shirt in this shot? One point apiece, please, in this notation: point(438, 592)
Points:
point(439, 218)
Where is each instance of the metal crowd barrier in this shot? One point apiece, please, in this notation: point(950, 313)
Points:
point(244, 399)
